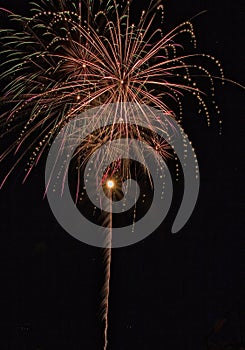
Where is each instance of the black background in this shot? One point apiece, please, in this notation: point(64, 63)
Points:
point(167, 292)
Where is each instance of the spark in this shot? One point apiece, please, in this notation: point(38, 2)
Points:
point(110, 184)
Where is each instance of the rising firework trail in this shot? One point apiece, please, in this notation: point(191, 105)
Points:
point(107, 261)
point(69, 56)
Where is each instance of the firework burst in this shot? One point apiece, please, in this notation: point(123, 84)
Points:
point(70, 56)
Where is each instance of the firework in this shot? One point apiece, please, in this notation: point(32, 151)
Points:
point(70, 56)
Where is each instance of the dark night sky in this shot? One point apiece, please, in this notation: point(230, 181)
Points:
point(168, 291)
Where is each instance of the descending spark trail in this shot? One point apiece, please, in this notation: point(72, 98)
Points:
point(62, 63)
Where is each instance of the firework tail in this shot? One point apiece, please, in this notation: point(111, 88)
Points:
point(107, 263)
point(106, 292)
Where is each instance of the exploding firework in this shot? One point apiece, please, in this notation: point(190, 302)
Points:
point(71, 56)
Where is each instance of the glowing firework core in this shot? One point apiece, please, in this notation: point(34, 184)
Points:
point(110, 184)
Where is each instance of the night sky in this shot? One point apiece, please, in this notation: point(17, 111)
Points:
point(168, 291)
